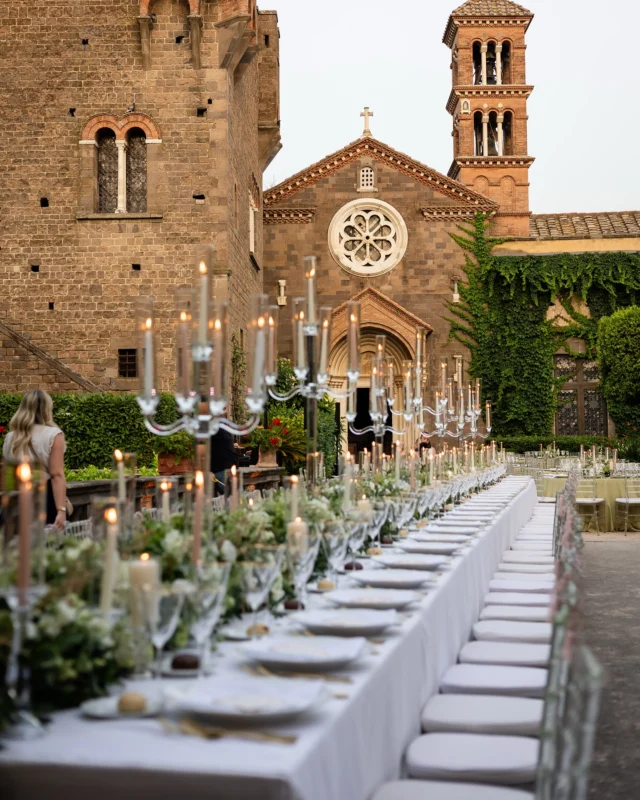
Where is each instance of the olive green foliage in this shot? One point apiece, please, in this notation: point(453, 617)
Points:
point(619, 359)
point(95, 425)
point(294, 409)
point(502, 319)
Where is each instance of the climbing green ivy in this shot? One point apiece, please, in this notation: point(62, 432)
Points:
point(503, 319)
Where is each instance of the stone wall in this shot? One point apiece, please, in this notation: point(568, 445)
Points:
point(422, 281)
point(62, 64)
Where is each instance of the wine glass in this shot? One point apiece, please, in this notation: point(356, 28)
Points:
point(160, 608)
point(257, 576)
point(335, 540)
point(302, 552)
point(357, 535)
point(208, 599)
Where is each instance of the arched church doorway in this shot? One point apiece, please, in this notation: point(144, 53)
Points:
point(396, 352)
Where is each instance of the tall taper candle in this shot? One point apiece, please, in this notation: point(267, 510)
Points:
point(203, 318)
point(234, 487)
point(25, 519)
point(294, 496)
point(198, 515)
point(122, 486)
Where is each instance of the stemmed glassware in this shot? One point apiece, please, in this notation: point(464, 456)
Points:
point(302, 552)
point(357, 535)
point(160, 608)
point(335, 541)
point(208, 600)
point(258, 574)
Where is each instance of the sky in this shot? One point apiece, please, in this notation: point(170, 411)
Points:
point(337, 56)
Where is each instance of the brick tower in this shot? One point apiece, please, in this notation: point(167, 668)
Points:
point(488, 103)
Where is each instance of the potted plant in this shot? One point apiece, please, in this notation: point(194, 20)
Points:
point(175, 453)
point(279, 437)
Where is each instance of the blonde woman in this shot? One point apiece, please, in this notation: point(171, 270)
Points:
point(32, 434)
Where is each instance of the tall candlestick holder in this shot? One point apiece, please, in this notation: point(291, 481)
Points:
point(311, 351)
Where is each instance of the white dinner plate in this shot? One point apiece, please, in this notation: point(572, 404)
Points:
point(425, 546)
point(301, 652)
point(459, 530)
point(411, 561)
point(372, 598)
point(391, 578)
point(451, 538)
point(444, 524)
point(107, 708)
point(346, 622)
point(248, 700)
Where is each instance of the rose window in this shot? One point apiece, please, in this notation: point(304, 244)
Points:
point(368, 237)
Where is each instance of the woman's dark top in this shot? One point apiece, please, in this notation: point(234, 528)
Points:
point(425, 446)
point(223, 452)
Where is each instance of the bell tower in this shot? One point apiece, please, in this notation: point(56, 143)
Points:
point(488, 104)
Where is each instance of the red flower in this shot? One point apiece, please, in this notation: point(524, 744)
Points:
point(285, 431)
point(274, 441)
point(275, 422)
point(3, 430)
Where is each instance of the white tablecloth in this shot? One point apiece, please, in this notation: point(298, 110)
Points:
point(343, 752)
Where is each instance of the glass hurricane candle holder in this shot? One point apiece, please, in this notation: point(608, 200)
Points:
point(123, 487)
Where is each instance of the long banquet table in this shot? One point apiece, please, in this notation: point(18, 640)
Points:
point(344, 750)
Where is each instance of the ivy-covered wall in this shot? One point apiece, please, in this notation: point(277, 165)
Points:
point(502, 318)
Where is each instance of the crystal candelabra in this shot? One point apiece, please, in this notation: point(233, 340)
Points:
point(311, 352)
point(201, 341)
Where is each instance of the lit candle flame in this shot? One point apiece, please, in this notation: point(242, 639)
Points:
point(145, 557)
point(23, 472)
point(234, 470)
point(203, 268)
point(261, 322)
point(117, 454)
point(164, 486)
point(148, 323)
point(183, 316)
point(111, 515)
point(218, 325)
point(199, 478)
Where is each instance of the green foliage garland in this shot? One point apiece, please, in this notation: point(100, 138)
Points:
point(502, 319)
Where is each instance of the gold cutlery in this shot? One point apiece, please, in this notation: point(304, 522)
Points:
point(188, 727)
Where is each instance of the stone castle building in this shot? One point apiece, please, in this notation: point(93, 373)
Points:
point(380, 222)
point(133, 130)
point(136, 129)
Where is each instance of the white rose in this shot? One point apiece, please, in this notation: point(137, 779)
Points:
point(228, 551)
point(65, 612)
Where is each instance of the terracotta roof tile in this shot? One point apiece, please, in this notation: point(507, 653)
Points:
point(491, 8)
point(585, 226)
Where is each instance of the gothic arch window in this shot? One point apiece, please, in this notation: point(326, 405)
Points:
point(107, 177)
point(136, 171)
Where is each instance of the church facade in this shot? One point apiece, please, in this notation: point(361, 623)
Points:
point(380, 222)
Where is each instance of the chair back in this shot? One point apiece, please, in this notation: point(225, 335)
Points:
point(632, 488)
point(586, 488)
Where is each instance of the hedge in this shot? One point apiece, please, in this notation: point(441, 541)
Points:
point(619, 358)
point(524, 444)
point(95, 425)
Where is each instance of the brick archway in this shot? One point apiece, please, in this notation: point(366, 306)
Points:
point(120, 126)
point(147, 5)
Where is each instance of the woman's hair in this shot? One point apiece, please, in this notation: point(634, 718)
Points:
point(36, 408)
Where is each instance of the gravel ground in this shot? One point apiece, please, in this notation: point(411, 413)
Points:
point(612, 618)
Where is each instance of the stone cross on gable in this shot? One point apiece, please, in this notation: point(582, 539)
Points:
point(366, 114)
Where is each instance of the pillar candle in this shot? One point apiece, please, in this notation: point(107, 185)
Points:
point(110, 561)
point(143, 572)
point(165, 488)
point(397, 462)
point(365, 509)
point(431, 466)
point(297, 536)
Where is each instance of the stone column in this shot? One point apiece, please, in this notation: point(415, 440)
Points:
point(195, 25)
point(485, 135)
point(144, 23)
point(483, 54)
point(500, 135)
point(499, 63)
point(122, 176)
